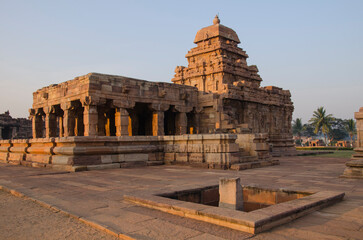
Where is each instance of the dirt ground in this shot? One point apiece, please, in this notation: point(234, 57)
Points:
point(21, 218)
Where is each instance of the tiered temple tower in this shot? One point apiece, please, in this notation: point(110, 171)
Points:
point(217, 61)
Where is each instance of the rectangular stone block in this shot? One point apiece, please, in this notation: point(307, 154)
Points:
point(16, 157)
point(181, 157)
point(136, 157)
point(230, 193)
point(221, 158)
point(169, 157)
point(169, 148)
point(62, 160)
point(196, 157)
point(195, 148)
point(157, 156)
point(106, 158)
point(38, 158)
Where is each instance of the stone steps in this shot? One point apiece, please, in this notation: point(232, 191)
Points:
point(254, 164)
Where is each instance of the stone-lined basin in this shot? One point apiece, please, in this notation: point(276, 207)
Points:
point(254, 221)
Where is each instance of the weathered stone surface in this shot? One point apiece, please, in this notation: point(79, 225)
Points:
point(230, 193)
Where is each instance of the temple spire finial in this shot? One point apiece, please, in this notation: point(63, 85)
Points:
point(216, 20)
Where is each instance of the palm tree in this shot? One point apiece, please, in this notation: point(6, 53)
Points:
point(322, 122)
point(297, 128)
point(351, 129)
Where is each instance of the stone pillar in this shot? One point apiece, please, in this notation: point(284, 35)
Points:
point(230, 193)
point(37, 122)
point(359, 117)
point(60, 126)
point(181, 123)
point(90, 120)
point(68, 119)
point(50, 122)
point(158, 123)
point(122, 122)
point(359, 146)
point(13, 132)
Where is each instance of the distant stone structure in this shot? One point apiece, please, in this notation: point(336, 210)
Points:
point(354, 167)
point(217, 94)
point(14, 128)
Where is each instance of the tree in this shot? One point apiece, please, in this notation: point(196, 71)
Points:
point(350, 127)
point(308, 130)
point(338, 130)
point(297, 128)
point(322, 122)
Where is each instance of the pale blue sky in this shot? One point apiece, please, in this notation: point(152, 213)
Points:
point(312, 48)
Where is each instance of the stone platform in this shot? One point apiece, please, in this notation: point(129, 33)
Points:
point(96, 198)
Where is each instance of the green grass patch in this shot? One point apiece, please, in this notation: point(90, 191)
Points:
point(338, 154)
point(323, 148)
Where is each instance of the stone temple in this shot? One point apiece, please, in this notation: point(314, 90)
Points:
point(214, 114)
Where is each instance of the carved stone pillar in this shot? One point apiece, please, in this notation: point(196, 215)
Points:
point(158, 118)
point(359, 118)
point(122, 122)
point(50, 122)
point(181, 123)
point(68, 119)
point(158, 123)
point(37, 122)
point(197, 123)
point(90, 120)
point(13, 132)
point(60, 126)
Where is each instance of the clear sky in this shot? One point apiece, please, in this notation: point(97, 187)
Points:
point(313, 48)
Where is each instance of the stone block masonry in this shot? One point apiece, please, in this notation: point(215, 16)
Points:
point(80, 153)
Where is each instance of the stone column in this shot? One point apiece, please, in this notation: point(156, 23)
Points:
point(230, 193)
point(50, 122)
point(181, 123)
point(158, 123)
point(13, 132)
point(359, 117)
point(60, 126)
point(122, 121)
point(37, 123)
point(90, 120)
point(68, 119)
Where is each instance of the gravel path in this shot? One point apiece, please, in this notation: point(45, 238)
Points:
point(24, 219)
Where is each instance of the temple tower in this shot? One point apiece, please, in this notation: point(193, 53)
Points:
point(216, 61)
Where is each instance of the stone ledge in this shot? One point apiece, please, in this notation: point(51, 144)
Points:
point(251, 222)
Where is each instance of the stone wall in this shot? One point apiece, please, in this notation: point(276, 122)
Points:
point(82, 153)
point(88, 153)
point(255, 144)
point(204, 150)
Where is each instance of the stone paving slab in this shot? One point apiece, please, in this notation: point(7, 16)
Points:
point(97, 196)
